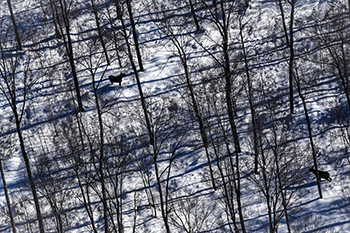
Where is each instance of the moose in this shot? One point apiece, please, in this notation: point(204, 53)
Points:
point(322, 174)
point(116, 79)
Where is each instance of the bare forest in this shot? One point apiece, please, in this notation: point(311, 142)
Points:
point(140, 116)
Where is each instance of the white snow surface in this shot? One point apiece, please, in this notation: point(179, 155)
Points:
point(160, 82)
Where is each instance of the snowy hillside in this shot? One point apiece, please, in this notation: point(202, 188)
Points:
point(222, 110)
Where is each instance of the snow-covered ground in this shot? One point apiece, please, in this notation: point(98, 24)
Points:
point(49, 121)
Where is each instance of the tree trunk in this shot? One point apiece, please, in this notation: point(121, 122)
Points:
point(163, 205)
point(74, 72)
point(227, 185)
point(55, 18)
point(101, 159)
point(134, 33)
point(116, 46)
point(150, 132)
point(201, 126)
point(280, 187)
point(228, 89)
point(302, 97)
point(290, 45)
point(199, 119)
point(19, 44)
point(251, 102)
point(11, 96)
point(194, 16)
point(284, 23)
point(142, 98)
point(291, 57)
point(86, 201)
point(99, 31)
point(229, 105)
point(284, 203)
point(29, 171)
point(70, 53)
point(13, 225)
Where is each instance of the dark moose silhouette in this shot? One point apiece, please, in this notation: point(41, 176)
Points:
point(116, 79)
point(322, 174)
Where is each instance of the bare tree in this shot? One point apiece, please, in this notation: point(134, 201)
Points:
point(170, 139)
point(223, 21)
point(250, 92)
point(9, 205)
point(5, 152)
point(63, 11)
point(289, 35)
point(225, 162)
point(300, 79)
point(176, 32)
point(192, 214)
point(333, 38)
point(281, 167)
point(134, 34)
point(194, 15)
point(136, 73)
point(18, 39)
point(69, 147)
point(92, 61)
point(53, 186)
point(15, 89)
point(97, 20)
point(116, 34)
point(118, 151)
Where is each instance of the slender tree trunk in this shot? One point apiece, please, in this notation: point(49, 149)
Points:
point(182, 55)
point(251, 102)
point(11, 97)
point(229, 105)
point(119, 206)
point(13, 225)
point(163, 205)
point(86, 202)
point(101, 159)
point(291, 57)
point(284, 202)
point(99, 31)
point(54, 18)
point(226, 185)
point(290, 45)
point(266, 186)
point(302, 97)
point(142, 98)
point(19, 44)
point(74, 72)
point(271, 206)
point(29, 171)
point(110, 19)
point(194, 16)
point(345, 82)
point(345, 78)
point(56, 212)
point(134, 33)
point(201, 128)
point(284, 22)
point(150, 132)
point(70, 53)
point(280, 187)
